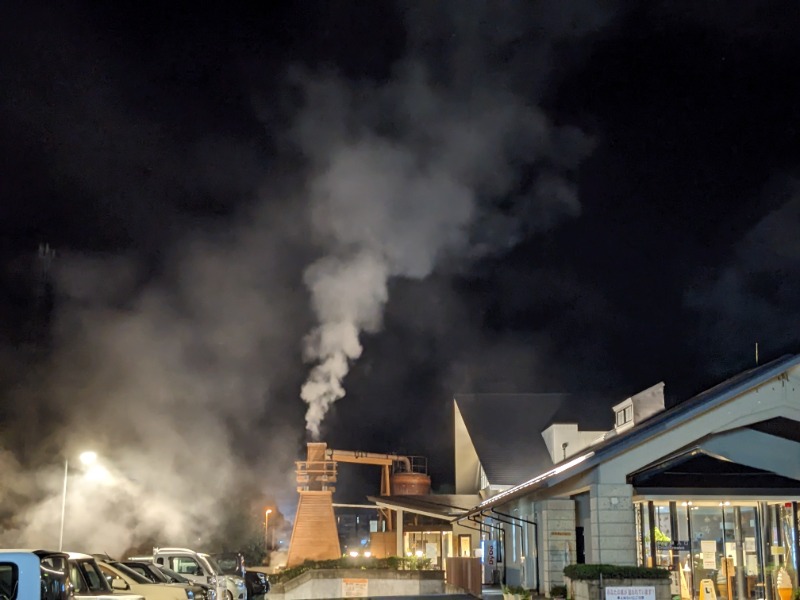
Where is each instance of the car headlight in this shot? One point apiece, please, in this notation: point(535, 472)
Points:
point(212, 580)
point(189, 594)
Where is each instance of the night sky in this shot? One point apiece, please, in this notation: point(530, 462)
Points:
point(491, 196)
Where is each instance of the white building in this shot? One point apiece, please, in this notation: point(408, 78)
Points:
point(715, 478)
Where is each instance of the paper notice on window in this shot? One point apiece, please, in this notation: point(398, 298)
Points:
point(750, 545)
point(709, 550)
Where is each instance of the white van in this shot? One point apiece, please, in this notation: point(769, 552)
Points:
point(201, 568)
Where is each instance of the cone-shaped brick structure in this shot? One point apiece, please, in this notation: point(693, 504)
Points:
point(314, 536)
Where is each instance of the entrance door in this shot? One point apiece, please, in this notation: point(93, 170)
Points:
point(580, 546)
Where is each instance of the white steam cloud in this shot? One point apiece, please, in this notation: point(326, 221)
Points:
point(168, 385)
point(405, 174)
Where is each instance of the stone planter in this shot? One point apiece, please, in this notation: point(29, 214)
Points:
point(590, 589)
point(318, 584)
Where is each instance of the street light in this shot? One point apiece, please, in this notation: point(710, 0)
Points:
point(266, 528)
point(86, 458)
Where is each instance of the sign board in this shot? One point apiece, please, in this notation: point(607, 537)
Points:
point(491, 553)
point(680, 545)
point(675, 583)
point(707, 591)
point(709, 550)
point(644, 592)
point(355, 588)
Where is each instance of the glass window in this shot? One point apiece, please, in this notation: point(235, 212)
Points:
point(663, 533)
point(111, 576)
point(9, 580)
point(647, 550)
point(185, 565)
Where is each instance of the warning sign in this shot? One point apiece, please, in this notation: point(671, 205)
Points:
point(355, 588)
point(631, 593)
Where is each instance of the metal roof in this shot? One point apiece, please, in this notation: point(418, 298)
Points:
point(447, 507)
point(506, 429)
point(656, 424)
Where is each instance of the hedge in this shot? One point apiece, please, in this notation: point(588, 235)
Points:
point(584, 572)
point(392, 563)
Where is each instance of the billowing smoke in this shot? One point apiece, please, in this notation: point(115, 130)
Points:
point(168, 384)
point(423, 168)
point(173, 351)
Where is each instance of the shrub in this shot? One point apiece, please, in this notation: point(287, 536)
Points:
point(394, 563)
point(584, 572)
point(558, 591)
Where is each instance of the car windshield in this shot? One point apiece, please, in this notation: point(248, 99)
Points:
point(228, 564)
point(149, 571)
point(86, 576)
point(171, 575)
point(211, 563)
point(130, 573)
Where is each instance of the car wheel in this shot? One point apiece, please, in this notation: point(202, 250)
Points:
point(228, 595)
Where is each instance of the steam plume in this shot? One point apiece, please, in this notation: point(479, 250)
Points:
point(412, 171)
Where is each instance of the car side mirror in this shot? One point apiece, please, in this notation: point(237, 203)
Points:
point(119, 584)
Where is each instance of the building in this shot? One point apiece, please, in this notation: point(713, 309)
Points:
point(707, 489)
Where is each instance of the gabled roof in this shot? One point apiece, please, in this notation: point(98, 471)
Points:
point(506, 429)
point(656, 424)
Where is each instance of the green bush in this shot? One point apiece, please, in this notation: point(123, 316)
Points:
point(584, 572)
point(392, 563)
point(558, 591)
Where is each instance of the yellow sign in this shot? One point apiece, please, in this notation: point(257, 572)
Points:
point(707, 591)
point(355, 588)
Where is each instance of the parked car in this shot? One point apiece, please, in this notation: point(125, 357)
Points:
point(232, 563)
point(159, 574)
point(125, 579)
point(202, 568)
point(85, 577)
point(24, 575)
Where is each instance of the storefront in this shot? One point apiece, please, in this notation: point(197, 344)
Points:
point(741, 546)
point(708, 489)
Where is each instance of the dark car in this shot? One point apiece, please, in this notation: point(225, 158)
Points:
point(232, 563)
point(158, 574)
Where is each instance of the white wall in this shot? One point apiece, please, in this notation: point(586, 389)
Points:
point(467, 465)
point(556, 540)
point(612, 537)
point(567, 433)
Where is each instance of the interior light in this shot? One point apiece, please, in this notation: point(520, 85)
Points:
point(353, 553)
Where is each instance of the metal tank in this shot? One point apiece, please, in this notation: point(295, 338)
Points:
point(411, 484)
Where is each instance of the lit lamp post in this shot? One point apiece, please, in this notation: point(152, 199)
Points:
point(86, 458)
point(266, 529)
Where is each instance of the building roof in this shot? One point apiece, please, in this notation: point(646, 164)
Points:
point(506, 429)
point(447, 507)
point(656, 424)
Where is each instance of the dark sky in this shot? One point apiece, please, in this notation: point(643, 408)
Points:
point(494, 196)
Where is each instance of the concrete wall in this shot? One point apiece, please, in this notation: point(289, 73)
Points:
point(591, 590)
point(556, 540)
point(612, 536)
point(328, 583)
